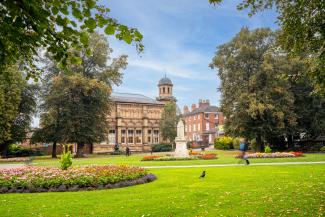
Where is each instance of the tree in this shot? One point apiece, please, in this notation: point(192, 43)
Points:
point(168, 122)
point(55, 25)
point(83, 106)
point(17, 105)
point(93, 66)
point(256, 102)
point(302, 31)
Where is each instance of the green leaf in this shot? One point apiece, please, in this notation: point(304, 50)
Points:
point(91, 23)
point(84, 38)
point(110, 29)
point(55, 10)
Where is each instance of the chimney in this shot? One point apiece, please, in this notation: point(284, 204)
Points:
point(193, 107)
point(204, 102)
point(185, 109)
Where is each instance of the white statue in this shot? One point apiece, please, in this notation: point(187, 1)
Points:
point(181, 147)
point(180, 130)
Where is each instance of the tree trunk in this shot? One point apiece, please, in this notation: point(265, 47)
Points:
point(54, 150)
point(80, 150)
point(4, 149)
point(91, 148)
point(259, 145)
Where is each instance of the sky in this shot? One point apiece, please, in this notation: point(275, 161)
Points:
point(180, 39)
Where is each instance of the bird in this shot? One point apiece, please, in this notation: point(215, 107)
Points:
point(202, 175)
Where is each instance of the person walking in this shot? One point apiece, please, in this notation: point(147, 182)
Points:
point(243, 147)
point(127, 151)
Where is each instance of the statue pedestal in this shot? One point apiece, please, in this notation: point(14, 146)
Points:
point(181, 148)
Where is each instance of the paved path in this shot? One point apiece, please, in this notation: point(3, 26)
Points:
point(231, 165)
point(10, 166)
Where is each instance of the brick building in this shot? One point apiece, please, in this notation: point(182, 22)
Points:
point(202, 121)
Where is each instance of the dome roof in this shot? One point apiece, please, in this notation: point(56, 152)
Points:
point(165, 81)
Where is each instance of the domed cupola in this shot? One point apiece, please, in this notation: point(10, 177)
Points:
point(165, 86)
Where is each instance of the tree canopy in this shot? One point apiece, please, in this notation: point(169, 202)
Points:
point(168, 122)
point(55, 25)
point(17, 105)
point(302, 31)
point(256, 98)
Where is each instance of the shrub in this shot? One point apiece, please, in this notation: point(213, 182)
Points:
point(161, 148)
point(66, 159)
point(223, 143)
point(20, 151)
point(236, 143)
point(267, 149)
point(322, 149)
point(253, 144)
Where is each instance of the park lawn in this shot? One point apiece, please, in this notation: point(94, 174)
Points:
point(224, 157)
point(294, 190)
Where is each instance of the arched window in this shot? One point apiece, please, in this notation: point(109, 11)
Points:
point(163, 89)
point(168, 90)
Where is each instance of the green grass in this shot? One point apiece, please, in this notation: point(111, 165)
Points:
point(295, 190)
point(224, 157)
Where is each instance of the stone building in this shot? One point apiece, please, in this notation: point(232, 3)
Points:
point(202, 122)
point(134, 119)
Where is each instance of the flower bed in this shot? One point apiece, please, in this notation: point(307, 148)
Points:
point(273, 155)
point(208, 156)
point(42, 179)
point(150, 157)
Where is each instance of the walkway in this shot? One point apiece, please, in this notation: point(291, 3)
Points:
point(10, 166)
point(231, 165)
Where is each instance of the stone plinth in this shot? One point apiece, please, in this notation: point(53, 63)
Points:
point(181, 147)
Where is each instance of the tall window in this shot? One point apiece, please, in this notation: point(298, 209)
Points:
point(194, 127)
point(207, 126)
point(111, 137)
point(149, 136)
point(130, 136)
point(190, 128)
point(198, 127)
point(138, 136)
point(185, 128)
point(123, 136)
point(156, 136)
point(163, 89)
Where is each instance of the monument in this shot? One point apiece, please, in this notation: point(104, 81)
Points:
point(181, 148)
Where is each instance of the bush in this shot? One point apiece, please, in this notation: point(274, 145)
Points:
point(236, 143)
point(322, 149)
point(253, 144)
point(267, 149)
point(20, 151)
point(162, 148)
point(66, 159)
point(223, 143)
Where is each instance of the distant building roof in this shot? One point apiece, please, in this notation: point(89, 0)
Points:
point(203, 109)
point(165, 81)
point(133, 98)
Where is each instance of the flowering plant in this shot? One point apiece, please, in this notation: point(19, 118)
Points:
point(150, 157)
point(272, 155)
point(208, 156)
point(32, 177)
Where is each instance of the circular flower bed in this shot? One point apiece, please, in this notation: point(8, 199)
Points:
point(43, 179)
point(274, 155)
